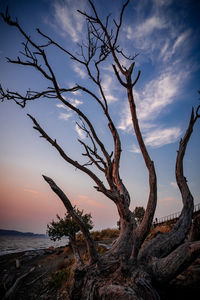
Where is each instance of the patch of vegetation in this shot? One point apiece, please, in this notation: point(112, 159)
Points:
point(59, 278)
point(162, 229)
point(105, 234)
point(100, 235)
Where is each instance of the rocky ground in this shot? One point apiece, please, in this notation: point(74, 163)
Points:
point(25, 275)
point(39, 274)
point(45, 274)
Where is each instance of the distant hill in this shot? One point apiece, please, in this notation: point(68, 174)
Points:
point(18, 233)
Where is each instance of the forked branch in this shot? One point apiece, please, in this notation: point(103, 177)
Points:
point(77, 165)
point(162, 245)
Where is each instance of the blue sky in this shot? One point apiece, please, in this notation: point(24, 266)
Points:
point(165, 34)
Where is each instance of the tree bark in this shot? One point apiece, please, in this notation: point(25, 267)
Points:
point(77, 256)
point(167, 268)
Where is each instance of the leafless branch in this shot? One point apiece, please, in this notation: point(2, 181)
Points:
point(77, 165)
point(90, 243)
point(52, 42)
point(120, 23)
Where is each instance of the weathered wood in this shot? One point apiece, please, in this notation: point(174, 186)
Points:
point(90, 243)
point(11, 292)
point(167, 268)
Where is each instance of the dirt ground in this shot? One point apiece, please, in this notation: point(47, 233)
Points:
point(22, 275)
point(25, 276)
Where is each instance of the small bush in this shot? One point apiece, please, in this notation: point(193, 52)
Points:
point(59, 277)
point(159, 229)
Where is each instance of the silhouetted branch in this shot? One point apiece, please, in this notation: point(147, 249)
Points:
point(70, 160)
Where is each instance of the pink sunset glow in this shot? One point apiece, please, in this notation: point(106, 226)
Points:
point(165, 94)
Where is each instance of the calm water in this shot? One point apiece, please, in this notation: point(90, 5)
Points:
point(13, 244)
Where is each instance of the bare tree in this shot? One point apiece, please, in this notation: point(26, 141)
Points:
point(130, 269)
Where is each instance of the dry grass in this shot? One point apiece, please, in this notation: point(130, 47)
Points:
point(100, 235)
point(159, 229)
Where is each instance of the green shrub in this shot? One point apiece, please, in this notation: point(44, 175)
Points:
point(59, 277)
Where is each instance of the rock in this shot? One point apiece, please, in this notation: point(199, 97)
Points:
point(32, 254)
point(40, 252)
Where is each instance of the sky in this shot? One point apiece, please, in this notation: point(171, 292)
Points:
point(165, 35)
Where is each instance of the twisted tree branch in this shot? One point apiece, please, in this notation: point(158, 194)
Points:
point(162, 245)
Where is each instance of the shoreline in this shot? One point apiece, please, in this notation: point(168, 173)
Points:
point(29, 250)
point(15, 244)
point(22, 274)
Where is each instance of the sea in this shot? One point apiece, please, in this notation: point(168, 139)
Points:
point(14, 244)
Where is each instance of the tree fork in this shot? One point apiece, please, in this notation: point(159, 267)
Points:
point(163, 245)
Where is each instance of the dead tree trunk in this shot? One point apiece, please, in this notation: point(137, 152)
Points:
point(130, 269)
point(121, 275)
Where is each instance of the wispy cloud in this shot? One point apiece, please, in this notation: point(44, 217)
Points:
point(85, 200)
point(178, 46)
point(68, 113)
point(68, 19)
point(83, 197)
point(35, 192)
point(110, 87)
point(168, 201)
point(65, 116)
point(180, 40)
point(162, 39)
point(159, 33)
point(60, 105)
point(94, 203)
point(75, 102)
point(79, 70)
point(174, 184)
point(145, 28)
point(156, 95)
point(151, 102)
point(135, 149)
point(161, 137)
point(81, 133)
